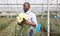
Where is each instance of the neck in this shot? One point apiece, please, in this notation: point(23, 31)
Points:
point(25, 11)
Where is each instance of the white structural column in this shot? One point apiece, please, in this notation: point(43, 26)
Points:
point(48, 25)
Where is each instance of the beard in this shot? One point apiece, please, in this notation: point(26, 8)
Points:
point(25, 10)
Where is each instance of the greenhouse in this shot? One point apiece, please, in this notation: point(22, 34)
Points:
point(47, 13)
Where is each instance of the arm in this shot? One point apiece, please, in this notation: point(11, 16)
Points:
point(34, 21)
point(30, 23)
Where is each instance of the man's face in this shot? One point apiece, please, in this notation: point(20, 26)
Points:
point(26, 7)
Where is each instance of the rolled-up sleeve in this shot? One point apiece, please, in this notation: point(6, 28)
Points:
point(34, 19)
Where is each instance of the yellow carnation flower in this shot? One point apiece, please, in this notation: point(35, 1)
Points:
point(24, 27)
point(21, 16)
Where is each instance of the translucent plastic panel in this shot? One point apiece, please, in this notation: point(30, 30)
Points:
point(52, 1)
point(44, 1)
point(12, 2)
point(3, 5)
point(3, 1)
point(53, 7)
point(44, 8)
point(58, 1)
point(31, 1)
point(38, 1)
point(20, 1)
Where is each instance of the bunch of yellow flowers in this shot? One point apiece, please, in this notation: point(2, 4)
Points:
point(24, 27)
point(21, 16)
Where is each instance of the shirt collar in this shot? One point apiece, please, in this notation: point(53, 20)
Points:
point(28, 11)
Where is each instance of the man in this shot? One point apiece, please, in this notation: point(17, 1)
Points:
point(32, 17)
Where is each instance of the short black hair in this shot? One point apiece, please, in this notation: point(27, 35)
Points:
point(27, 3)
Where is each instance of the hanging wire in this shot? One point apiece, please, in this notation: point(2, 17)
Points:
point(17, 5)
point(57, 16)
point(2, 7)
point(42, 21)
point(16, 13)
point(7, 6)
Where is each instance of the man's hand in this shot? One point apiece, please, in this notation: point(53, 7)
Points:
point(29, 23)
point(19, 23)
point(26, 22)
